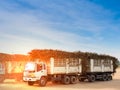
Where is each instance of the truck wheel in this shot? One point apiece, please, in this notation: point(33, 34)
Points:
point(66, 80)
point(104, 78)
point(30, 83)
point(73, 79)
point(109, 78)
point(43, 81)
point(91, 78)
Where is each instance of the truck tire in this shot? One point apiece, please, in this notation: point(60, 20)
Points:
point(73, 79)
point(43, 81)
point(109, 78)
point(104, 77)
point(91, 78)
point(66, 80)
point(30, 83)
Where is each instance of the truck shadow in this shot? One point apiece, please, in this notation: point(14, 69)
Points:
point(114, 84)
point(103, 85)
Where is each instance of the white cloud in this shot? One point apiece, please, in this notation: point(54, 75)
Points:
point(24, 23)
point(24, 31)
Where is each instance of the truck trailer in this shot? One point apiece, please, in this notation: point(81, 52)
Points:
point(69, 70)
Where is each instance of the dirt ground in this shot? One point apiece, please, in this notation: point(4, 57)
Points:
point(98, 85)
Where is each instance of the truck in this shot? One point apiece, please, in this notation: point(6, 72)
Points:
point(12, 66)
point(70, 70)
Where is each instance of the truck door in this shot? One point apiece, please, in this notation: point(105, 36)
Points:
point(41, 69)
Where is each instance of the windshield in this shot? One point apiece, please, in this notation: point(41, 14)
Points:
point(30, 67)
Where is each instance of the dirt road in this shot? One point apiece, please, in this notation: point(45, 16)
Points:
point(98, 85)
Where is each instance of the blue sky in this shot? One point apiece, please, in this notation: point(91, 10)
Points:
point(71, 25)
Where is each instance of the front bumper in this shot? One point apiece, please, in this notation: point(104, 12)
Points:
point(30, 79)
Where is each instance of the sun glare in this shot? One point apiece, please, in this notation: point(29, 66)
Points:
point(30, 66)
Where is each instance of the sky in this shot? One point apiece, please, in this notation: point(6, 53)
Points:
point(70, 25)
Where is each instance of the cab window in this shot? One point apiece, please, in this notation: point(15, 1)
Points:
point(39, 67)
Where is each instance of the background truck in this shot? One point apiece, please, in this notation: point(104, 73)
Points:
point(12, 66)
point(68, 70)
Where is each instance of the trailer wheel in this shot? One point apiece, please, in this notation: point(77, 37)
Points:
point(104, 78)
point(109, 78)
point(91, 78)
point(66, 80)
point(73, 79)
point(30, 83)
point(43, 81)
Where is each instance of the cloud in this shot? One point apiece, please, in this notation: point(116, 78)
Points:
point(25, 30)
point(26, 25)
point(58, 25)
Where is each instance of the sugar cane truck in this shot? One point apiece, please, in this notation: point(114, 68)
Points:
point(12, 66)
point(69, 68)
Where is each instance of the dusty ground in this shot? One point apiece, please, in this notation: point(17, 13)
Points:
point(98, 85)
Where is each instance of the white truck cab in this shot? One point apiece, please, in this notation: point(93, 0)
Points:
point(35, 72)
